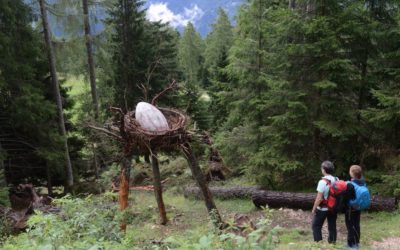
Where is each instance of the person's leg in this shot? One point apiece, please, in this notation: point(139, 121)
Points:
point(352, 233)
point(332, 227)
point(317, 223)
point(356, 221)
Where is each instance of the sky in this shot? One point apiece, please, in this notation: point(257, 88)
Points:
point(201, 13)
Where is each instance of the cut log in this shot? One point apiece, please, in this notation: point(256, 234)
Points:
point(306, 200)
point(275, 199)
point(223, 192)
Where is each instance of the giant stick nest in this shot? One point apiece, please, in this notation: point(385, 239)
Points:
point(166, 140)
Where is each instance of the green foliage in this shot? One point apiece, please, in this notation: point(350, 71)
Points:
point(4, 200)
point(26, 96)
point(87, 223)
point(190, 55)
point(218, 43)
point(309, 84)
point(260, 238)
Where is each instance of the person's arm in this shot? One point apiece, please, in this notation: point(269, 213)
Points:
point(318, 199)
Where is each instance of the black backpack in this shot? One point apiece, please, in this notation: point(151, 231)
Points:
point(343, 199)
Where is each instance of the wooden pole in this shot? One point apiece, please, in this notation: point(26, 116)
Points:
point(158, 189)
point(124, 187)
point(201, 182)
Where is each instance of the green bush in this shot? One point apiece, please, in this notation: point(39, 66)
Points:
point(4, 200)
point(249, 239)
point(88, 223)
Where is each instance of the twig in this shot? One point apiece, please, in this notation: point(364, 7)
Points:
point(118, 110)
point(106, 132)
point(170, 87)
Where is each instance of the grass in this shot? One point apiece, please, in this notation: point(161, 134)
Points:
point(189, 227)
point(188, 219)
point(378, 226)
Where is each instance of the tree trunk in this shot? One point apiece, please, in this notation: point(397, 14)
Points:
point(306, 200)
point(201, 182)
point(124, 187)
point(89, 49)
point(68, 166)
point(96, 163)
point(158, 189)
point(277, 199)
point(292, 4)
point(146, 158)
point(49, 184)
point(223, 193)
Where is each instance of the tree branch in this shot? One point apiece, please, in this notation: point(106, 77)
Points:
point(107, 132)
point(170, 87)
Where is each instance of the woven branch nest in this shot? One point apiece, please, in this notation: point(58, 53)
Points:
point(165, 140)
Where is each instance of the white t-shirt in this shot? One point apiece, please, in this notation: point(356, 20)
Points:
point(324, 188)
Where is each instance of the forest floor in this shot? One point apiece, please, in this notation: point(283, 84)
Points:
point(188, 218)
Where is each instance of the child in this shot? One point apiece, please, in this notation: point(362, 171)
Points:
point(320, 209)
point(352, 215)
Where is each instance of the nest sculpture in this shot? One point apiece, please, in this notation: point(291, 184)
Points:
point(138, 140)
point(166, 140)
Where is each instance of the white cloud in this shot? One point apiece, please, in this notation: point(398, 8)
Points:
point(161, 12)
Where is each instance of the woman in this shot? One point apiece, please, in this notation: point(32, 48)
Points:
point(320, 209)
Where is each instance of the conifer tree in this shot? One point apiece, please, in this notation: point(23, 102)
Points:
point(129, 50)
point(190, 56)
point(27, 100)
point(57, 94)
point(218, 43)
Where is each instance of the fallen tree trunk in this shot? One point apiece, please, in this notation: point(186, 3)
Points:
point(223, 192)
point(306, 200)
point(277, 199)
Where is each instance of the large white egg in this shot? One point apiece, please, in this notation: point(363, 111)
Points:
point(150, 118)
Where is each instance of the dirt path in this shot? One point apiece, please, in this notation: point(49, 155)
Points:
point(392, 243)
point(301, 220)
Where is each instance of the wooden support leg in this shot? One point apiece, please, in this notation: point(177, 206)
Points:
point(158, 189)
point(124, 187)
point(201, 182)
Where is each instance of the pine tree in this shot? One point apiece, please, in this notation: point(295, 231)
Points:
point(248, 64)
point(161, 61)
point(91, 65)
point(190, 56)
point(57, 94)
point(218, 43)
point(130, 51)
point(26, 100)
point(381, 115)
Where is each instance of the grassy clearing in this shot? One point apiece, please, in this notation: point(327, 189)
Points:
point(93, 223)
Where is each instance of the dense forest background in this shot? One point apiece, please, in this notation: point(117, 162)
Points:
point(293, 83)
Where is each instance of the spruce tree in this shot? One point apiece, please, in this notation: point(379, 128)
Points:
point(190, 55)
point(218, 43)
point(26, 99)
point(129, 51)
point(192, 98)
point(57, 94)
